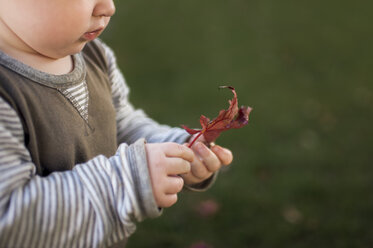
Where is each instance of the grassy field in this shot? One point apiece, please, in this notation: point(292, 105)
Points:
point(303, 172)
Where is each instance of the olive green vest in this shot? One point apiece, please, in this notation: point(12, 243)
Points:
point(56, 135)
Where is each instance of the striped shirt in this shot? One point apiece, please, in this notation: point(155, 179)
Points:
point(97, 203)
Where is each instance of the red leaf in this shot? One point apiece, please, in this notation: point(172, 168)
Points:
point(233, 117)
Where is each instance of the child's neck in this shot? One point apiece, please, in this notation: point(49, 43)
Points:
point(49, 65)
point(42, 63)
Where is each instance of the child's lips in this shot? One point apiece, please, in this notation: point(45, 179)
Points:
point(91, 35)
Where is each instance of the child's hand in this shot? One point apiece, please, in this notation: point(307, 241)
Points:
point(166, 161)
point(206, 162)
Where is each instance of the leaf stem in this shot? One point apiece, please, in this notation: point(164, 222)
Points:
point(195, 138)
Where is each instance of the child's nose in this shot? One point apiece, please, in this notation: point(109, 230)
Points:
point(104, 8)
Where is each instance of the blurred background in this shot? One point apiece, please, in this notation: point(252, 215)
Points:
point(303, 172)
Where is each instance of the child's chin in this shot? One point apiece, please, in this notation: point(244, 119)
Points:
point(74, 50)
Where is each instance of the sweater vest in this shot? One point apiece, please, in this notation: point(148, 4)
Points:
point(55, 133)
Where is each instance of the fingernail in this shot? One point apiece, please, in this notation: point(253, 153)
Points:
point(216, 148)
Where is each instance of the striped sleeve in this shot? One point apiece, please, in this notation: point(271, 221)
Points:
point(94, 205)
point(132, 123)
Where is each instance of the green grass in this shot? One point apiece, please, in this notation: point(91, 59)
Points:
point(306, 69)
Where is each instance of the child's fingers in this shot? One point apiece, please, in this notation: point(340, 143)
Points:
point(179, 151)
point(167, 200)
point(199, 170)
point(224, 155)
point(175, 166)
point(209, 159)
point(174, 185)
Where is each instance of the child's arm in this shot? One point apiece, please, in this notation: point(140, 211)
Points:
point(94, 205)
point(133, 124)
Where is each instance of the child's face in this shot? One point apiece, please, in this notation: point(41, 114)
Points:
point(55, 28)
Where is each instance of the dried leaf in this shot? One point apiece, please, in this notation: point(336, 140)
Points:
point(233, 117)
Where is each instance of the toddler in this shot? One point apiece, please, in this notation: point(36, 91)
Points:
point(79, 165)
